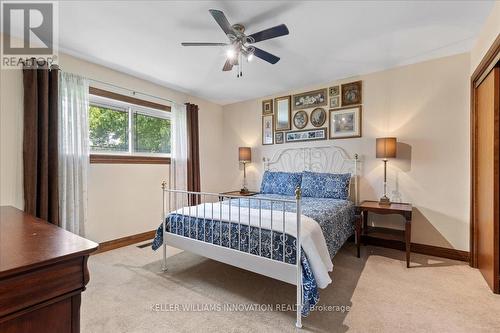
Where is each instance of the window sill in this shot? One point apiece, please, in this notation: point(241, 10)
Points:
point(127, 159)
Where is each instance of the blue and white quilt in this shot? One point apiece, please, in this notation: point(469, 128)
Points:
point(326, 225)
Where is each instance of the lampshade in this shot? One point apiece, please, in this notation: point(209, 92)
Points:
point(245, 154)
point(386, 147)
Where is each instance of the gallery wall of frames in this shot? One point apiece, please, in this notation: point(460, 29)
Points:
point(329, 113)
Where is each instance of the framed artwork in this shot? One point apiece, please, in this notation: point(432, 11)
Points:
point(267, 106)
point(306, 135)
point(300, 119)
point(334, 91)
point(310, 99)
point(318, 117)
point(345, 123)
point(351, 93)
point(267, 130)
point(279, 137)
point(335, 102)
point(283, 112)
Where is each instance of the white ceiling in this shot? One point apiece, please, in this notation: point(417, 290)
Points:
point(327, 41)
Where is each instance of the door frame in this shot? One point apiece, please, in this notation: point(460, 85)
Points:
point(489, 61)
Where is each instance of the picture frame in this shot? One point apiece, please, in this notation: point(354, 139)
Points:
point(306, 135)
point(267, 107)
point(345, 122)
point(334, 102)
point(268, 130)
point(279, 137)
point(334, 91)
point(318, 117)
point(283, 113)
point(300, 119)
point(352, 93)
point(310, 99)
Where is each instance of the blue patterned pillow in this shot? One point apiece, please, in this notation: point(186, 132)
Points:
point(276, 182)
point(325, 185)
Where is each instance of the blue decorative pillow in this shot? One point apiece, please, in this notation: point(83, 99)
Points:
point(276, 182)
point(325, 185)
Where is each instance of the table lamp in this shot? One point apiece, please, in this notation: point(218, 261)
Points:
point(385, 148)
point(245, 156)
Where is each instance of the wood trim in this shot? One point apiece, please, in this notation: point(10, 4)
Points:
point(485, 63)
point(128, 99)
point(430, 250)
point(496, 184)
point(125, 241)
point(127, 159)
point(487, 60)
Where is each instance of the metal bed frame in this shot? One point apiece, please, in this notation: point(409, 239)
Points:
point(319, 159)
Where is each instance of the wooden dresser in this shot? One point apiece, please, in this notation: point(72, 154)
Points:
point(43, 270)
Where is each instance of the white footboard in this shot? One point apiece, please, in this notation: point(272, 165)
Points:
point(276, 269)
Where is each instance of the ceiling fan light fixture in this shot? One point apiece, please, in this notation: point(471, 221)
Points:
point(239, 48)
point(231, 54)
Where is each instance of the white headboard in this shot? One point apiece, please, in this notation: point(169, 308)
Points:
point(331, 159)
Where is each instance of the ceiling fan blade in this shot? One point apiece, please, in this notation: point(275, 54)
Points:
point(221, 19)
point(227, 66)
point(203, 44)
point(277, 31)
point(271, 58)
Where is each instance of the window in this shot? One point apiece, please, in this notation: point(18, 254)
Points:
point(108, 129)
point(123, 129)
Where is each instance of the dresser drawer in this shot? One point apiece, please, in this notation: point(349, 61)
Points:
point(32, 287)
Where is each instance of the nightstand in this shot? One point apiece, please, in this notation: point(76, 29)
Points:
point(378, 234)
point(237, 193)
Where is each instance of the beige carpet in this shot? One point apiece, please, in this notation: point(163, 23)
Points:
point(435, 295)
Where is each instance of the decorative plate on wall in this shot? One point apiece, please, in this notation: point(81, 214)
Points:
point(318, 117)
point(300, 119)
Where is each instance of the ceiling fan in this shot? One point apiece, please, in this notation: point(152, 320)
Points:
point(239, 45)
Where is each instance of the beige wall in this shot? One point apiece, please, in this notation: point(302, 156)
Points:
point(122, 199)
point(426, 106)
point(486, 37)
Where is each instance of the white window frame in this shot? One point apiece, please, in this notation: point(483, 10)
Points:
point(131, 109)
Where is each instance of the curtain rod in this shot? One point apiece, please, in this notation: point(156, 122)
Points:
point(134, 92)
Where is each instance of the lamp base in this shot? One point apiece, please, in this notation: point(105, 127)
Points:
point(384, 201)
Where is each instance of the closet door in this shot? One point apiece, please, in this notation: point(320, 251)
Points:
point(486, 182)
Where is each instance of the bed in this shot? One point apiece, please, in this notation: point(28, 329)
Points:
point(262, 233)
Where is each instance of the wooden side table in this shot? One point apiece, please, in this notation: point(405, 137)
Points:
point(386, 234)
point(237, 193)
